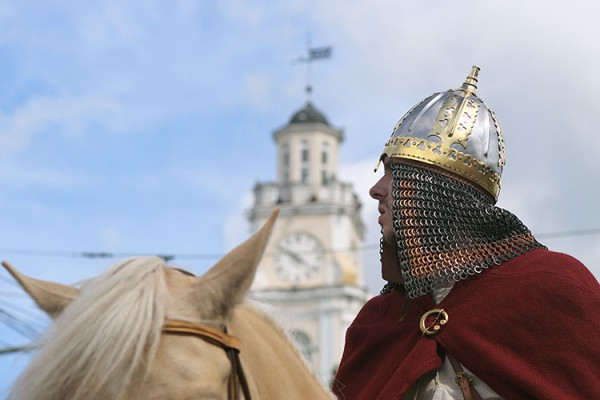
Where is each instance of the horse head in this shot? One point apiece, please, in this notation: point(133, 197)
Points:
point(142, 330)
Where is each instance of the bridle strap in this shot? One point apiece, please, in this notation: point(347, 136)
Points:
point(203, 331)
point(229, 343)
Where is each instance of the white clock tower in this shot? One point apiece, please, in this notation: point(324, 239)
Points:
point(311, 276)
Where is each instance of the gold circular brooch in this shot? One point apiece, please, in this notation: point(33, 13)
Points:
point(433, 327)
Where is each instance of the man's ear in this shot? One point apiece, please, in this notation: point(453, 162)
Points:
point(49, 296)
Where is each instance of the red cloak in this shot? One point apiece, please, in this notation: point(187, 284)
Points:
point(529, 328)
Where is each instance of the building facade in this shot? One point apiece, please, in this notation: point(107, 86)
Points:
point(311, 275)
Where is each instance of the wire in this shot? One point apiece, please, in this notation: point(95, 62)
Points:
point(16, 349)
point(13, 294)
point(9, 281)
point(26, 314)
point(103, 254)
point(168, 257)
point(580, 232)
point(208, 256)
point(17, 325)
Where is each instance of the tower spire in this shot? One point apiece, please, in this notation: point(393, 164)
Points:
point(312, 54)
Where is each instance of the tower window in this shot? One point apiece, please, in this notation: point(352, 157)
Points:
point(285, 163)
point(286, 159)
point(325, 153)
point(305, 161)
point(305, 175)
point(305, 155)
point(324, 162)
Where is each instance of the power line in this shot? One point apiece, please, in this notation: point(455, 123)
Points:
point(24, 313)
point(16, 349)
point(579, 232)
point(9, 281)
point(13, 294)
point(209, 256)
point(17, 325)
point(104, 254)
point(23, 324)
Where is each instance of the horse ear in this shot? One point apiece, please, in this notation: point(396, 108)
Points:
point(49, 296)
point(227, 282)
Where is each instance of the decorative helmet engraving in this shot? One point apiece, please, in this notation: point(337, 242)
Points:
point(456, 131)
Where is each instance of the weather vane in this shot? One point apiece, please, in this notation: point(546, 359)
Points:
point(313, 54)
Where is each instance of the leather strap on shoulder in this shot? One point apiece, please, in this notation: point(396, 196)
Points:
point(463, 380)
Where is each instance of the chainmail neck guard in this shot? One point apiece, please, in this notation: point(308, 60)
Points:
point(447, 231)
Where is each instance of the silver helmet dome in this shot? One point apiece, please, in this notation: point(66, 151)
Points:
point(456, 131)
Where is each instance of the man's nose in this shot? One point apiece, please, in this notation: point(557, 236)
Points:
point(372, 193)
point(376, 191)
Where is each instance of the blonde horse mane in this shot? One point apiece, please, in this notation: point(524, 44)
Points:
point(104, 340)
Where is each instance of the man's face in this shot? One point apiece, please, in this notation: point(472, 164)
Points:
point(382, 192)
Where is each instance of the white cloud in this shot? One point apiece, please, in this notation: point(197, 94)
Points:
point(58, 116)
point(258, 90)
point(237, 228)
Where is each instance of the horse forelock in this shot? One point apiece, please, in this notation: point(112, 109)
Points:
point(103, 340)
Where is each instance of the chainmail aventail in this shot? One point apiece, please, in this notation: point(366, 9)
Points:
point(447, 231)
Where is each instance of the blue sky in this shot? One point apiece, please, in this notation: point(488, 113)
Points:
point(137, 127)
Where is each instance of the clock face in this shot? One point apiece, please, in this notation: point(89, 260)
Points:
point(298, 257)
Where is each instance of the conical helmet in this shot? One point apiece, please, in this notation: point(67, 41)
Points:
point(456, 131)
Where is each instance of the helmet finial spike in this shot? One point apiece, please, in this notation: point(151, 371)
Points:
point(470, 84)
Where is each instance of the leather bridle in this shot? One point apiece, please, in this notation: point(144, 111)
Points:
point(229, 343)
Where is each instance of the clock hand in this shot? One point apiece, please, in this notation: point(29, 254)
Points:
point(293, 255)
